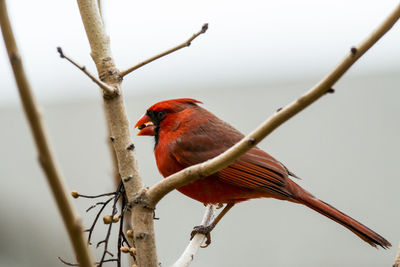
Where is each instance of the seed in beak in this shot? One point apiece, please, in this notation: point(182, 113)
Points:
point(140, 127)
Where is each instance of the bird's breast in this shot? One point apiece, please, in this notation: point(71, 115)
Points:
point(166, 163)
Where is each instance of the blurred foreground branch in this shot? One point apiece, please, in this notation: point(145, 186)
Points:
point(46, 158)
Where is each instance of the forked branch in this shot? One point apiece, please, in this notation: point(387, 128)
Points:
point(189, 175)
point(184, 44)
point(107, 89)
point(119, 129)
point(142, 216)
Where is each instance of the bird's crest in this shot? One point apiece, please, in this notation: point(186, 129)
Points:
point(174, 104)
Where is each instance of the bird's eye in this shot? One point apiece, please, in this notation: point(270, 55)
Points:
point(160, 115)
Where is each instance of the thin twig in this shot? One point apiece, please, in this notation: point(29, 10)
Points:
point(188, 255)
point(119, 193)
point(184, 44)
point(107, 89)
point(95, 205)
point(68, 263)
point(97, 196)
point(46, 158)
point(90, 230)
point(107, 238)
point(120, 232)
point(77, 264)
point(125, 240)
point(188, 175)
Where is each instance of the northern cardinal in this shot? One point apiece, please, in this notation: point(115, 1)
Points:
point(187, 134)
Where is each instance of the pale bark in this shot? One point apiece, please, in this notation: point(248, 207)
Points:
point(119, 128)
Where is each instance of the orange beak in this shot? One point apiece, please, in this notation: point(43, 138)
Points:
point(145, 126)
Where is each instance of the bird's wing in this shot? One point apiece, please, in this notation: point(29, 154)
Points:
point(255, 170)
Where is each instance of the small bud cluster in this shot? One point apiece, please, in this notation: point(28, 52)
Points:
point(131, 251)
point(108, 219)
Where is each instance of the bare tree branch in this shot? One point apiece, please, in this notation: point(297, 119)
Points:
point(119, 129)
point(184, 44)
point(397, 260)
point(188, 255)
point(189, 175)
point(46, 158)
point(108, 89)
point(100, 5)
point(114, 106)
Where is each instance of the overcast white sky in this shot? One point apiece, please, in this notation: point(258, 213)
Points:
point(247, 41)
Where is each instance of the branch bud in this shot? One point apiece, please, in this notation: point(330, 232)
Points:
point(124, 249)
point(129, 233)
point(107, 219)
point(74, 194)
point(132, 251)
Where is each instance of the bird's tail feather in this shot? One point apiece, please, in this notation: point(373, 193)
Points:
point(356, 227)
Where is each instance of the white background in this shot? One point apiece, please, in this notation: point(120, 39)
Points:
point(248, 42)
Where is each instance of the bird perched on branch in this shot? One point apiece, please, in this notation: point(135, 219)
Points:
point(187, 134)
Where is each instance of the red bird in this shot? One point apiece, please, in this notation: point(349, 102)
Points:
point(187, 134)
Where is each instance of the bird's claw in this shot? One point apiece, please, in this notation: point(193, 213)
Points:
point(204, 230)
point(219, 206)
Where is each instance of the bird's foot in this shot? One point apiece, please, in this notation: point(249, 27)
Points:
point(205, 230)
